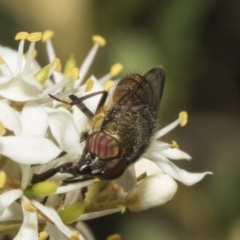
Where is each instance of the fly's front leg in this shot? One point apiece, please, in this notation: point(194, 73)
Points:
point(68, 167)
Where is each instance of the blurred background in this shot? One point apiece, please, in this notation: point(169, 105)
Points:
point(198, 43)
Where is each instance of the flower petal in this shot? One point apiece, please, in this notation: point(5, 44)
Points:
point(7, 198)
point(29, 228)
point(166, 150)
point(52, 214)
point(34, 120)
point(177, 173)
point(10, 118)
point(18, 90)
point(28, 149)
point(12, 213)
point(65, 132)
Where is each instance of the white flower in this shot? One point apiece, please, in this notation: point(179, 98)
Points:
point(34, 131)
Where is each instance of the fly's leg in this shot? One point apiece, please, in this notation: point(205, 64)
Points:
point(67, 167)
point(79, 102)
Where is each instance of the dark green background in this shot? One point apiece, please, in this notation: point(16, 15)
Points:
point(198, 43)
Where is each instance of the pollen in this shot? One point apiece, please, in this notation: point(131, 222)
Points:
point(99, 40)
point(2, 129)
point(75, 235)
point(57, 64)
point(75, 73)
point(43, 235)
point(29, 207)
point(183, 117)
point(115, 236)
point(89, 85)
point(108, 85)
point(48, 34)
point(122, 208)
point(3, 179)
point(34, 37)
point(116, 69)
point(1, 60)
point(34, 54)
point(174, 144)
point(21, 36)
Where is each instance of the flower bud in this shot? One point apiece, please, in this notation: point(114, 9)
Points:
point(153, 191)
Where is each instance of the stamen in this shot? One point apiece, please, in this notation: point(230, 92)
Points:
point(108, 85)
point(2, 129)
point(34, 37)
point(116, 69)
point(75, 235)
point(3, 179)
point(183, 117)
point(115, 236)
point(48, 34)
point(89, 85)
point(4, 68)
point(99, 40)
point(174, 144)
point(29, 207)
point(57, 64)
point(43, 235)
point(21, 36)
point(167, 129)
point(34, 54)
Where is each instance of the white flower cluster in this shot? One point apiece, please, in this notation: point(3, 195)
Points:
point(34, 131)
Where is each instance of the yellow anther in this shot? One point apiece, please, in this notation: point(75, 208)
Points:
point(122, 208)
point(183, 118)
point(70, 64)
point(2, 128)
point(116, 69)
point(75, 73)
point(174, 144)
point(3, 179)
point(99, 40)
point(21, 35)
point(57, 64)
point(48, 34)
point(43, 235)
point(89, 85)
point(97, 180)
point(108, 85)
point(34, 37)
point(34, 54)
point(1, 60)
point(75, 235)
point(115, 236)
point(29, 207)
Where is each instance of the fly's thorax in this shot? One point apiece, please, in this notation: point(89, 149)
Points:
point(134, 131)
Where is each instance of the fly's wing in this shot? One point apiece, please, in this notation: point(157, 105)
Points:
point(136, 90)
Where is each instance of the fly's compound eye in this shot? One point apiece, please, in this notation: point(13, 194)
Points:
point(114, 168)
